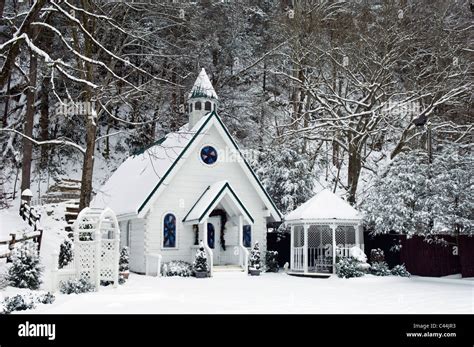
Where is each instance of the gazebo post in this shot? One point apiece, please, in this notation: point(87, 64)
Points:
point(305, 249)
point(292, 246)
point(334, 227)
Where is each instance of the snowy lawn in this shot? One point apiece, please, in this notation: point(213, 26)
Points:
point(269, 293)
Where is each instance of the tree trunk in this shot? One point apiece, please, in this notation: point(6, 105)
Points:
point(88, 167)
point(44, 122)
point(91, 127)
point(29, 120)
point(354, 168)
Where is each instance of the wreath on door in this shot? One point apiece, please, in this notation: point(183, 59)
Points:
point(223, 215)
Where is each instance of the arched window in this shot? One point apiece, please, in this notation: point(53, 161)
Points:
point(207, 106)
point(190, 107)
point(169, 231)
point(247, 236)
point(198, 105)
point(211, 235)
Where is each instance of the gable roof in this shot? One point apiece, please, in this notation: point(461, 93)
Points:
point(214, 194)
point(324, 205)
point(202, 87)
point(132, 187)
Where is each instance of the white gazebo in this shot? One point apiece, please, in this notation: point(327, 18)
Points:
point(323, 229)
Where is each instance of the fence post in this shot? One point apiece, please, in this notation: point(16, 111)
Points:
point(39, 238)
point(11, 245)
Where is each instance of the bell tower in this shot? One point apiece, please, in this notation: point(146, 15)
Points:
point(202, 99)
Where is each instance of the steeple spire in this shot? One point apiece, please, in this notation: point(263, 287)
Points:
point(202, 99)
point(203, 87)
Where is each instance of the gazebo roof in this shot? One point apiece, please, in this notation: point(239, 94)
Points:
point(322, 207)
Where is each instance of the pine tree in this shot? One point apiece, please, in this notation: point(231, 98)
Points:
point(254, 259)
point(124, 260)
point(65, 253)
point(25, 271)
point(200, 262)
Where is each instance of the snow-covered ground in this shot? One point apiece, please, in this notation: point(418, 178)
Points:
point(269, 293)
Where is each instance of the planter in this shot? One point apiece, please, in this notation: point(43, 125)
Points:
point(124, 275)
point(201, 274)
point(254, 272)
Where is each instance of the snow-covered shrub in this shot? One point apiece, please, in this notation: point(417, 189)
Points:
point(377, 255)
point(400, 270)
point(349, 267)
point(121, 279)
point(65, 253)
point(200, 262)
point(18, 302)
point(47, 298)
point(380, 268)
point(75, 286)
point(177, 268)
point(271, 261)
point(254, 258)
point(25, 271)
point(124, 260)
point(358, 254)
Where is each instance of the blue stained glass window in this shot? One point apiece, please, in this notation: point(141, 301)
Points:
point(211, 235)
point(209, 155)
point(247, 236)
point(169, 231)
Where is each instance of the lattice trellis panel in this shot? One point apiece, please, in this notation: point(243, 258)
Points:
point(314, 236)
point(107, 260)
point(85, 259)
point(345, 235)
point(326, 236)
point(298, 236)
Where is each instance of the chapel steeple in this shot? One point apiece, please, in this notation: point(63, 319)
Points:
point(202, 99)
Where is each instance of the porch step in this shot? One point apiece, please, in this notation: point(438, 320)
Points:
point(227, 268)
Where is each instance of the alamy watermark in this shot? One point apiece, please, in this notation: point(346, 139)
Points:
point(70, 108)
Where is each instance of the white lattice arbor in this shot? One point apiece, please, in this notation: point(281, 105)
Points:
point(323, 229)
point(96, 248)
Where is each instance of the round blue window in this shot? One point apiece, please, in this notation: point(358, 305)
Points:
point(209, 155)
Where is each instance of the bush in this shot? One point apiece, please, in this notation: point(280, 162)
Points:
point(254, 258)
point(47, 298)
point(65, 254)
point(349, 267)
point(18, 303)
point(177, 268)
point(271, 261)
point(200, 262)
point(379, 269)
point(400, 270)
point(124, 260)
point(76, 286)
point(25, 271)
point(377, 255)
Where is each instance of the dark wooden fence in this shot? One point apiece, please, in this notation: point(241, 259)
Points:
point(35, 236)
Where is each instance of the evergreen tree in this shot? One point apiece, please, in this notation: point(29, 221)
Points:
point(287, 176)
point(65, 253)
point(254, 259)
point(415, 196)
point(124, 260)
point(25, 271)
point(200, 262)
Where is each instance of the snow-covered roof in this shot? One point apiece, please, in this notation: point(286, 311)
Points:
point(136, 184)
point(324, 206)
point(203, 87)
point(136, 177)
point(217, 192)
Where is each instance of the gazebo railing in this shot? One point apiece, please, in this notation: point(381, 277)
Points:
point(298, 258)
